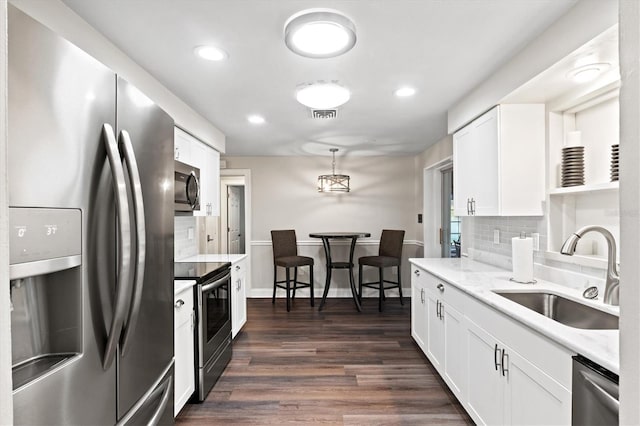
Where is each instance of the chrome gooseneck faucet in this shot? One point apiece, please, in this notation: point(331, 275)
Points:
point(611, 289)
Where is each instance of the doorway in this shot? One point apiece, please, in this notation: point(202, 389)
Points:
point(235, 219)
point(235, 211)
point(450, 224)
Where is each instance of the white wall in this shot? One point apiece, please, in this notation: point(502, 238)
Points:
point(57, 16)
point(630, 208)
point(284, 196)
point(582, 23)
point(6, 400)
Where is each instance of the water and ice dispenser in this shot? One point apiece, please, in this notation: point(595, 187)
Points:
point(46, 290)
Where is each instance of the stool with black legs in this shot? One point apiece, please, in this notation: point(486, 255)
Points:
point(389, 255)
point(285, 255)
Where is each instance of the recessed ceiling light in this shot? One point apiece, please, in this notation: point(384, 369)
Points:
point(404, 92)
point(588, 72)
point(323, 95)
point(319, 33)
point(211, 53)
point(256, 119)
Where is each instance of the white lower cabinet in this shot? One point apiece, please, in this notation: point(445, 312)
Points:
point(238, 295)
point(184, 324)
point(500, 371)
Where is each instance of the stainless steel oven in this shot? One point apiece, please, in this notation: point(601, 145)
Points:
point(187, 187)
point(214, 330)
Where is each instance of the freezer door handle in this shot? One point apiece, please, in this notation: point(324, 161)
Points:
point(124, 246)
point(157, 415)
point(138, 212)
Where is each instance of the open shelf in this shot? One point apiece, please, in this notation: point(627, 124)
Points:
point(585, 189)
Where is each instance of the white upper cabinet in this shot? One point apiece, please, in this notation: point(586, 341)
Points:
point(498, 163)
point(190, 150)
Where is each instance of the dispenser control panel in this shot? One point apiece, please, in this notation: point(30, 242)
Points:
point(42, 233)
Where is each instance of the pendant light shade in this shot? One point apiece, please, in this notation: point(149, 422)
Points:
point(333, 182)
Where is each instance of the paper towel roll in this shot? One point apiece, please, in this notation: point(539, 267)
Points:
point(522, 259)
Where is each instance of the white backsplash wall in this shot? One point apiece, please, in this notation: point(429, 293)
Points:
point(183, 245)
point(480, 246)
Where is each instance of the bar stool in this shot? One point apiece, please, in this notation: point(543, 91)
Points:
point(285, 254)
point(389, 255)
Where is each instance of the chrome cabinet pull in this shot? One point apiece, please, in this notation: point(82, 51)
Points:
point(237, 268)
point(503, 366)
point(473, 207)
point(422, 296)
point(495, 357)
point(123, 243)
point(417, 272)
point(440, 287)
point(468, 206)
point(441, 311)
point(141, 239)
point(179, 303)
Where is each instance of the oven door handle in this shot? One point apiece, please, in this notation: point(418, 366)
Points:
point(216, 284)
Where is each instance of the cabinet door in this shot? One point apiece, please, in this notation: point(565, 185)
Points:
point(455, 350)
point(532, 397)
point(435, 333)
point(238, 297)
point(419, 309)
point(486, 155)
point(484, 395)
point(184, 323)
point(463, 170)
point(182, 148)
point(208, 161)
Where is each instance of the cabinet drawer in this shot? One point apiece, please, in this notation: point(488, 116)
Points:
point(445, 291)
point(182, 307)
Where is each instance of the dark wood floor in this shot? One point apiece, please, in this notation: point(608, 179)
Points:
point(335, 367)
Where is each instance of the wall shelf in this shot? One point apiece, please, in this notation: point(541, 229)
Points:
point(585, 189)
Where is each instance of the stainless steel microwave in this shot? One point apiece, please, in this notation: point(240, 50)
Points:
point(187, 187)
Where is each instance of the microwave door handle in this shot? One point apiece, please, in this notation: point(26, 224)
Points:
point(215, 284)
point(193, 203)
point(138, 213)
point(602, 395)
point(124, 246)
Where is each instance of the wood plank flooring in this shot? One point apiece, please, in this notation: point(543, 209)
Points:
point(335, 367)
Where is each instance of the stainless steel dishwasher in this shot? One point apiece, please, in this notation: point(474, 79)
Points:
point(595, 394)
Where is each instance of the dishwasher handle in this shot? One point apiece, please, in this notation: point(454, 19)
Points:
point(601, 394)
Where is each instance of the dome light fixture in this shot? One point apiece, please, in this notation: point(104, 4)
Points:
point(322, 95)
point(333, 182)
point(319, 33)
point(256, 119)
point(588, 72)
point(211, 53)
point(405, 92)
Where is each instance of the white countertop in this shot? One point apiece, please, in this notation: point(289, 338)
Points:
point(180, 285)
point(479, 280)
point(233, 258)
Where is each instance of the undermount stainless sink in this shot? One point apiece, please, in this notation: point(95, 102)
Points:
point(564, 311)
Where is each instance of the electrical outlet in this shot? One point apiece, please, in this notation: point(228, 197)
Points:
point(419, 217)
point(496, 236)
point(536, 241)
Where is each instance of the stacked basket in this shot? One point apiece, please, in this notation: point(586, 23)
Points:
point(614, 162)
point(573, 166)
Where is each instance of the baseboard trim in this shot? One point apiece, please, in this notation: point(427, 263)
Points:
point(362, 242)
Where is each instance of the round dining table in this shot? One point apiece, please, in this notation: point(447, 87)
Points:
point(331, 264)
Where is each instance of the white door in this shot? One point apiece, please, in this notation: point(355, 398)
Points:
point(234, 205)
point(455, 350)
point(435, 337)
point(464, 165)
point(485, 152)
point(419, 310)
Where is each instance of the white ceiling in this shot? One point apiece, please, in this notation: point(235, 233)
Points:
point(444, 48)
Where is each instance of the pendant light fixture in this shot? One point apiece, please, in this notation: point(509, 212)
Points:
point(333, 182)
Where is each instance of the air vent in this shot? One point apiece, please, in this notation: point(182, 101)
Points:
point(324, 113)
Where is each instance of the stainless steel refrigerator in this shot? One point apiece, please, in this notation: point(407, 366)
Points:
point(93, 337)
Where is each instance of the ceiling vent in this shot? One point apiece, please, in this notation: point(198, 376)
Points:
point(324, 113)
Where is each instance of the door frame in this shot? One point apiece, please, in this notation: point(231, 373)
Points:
point(235, 177)
point(432, 206)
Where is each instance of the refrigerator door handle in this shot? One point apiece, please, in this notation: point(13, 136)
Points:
point(138, 211)
point(124, 246)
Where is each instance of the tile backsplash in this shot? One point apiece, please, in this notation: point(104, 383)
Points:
point(185, 245)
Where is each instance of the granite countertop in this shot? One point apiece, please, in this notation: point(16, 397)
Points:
point(180, 285)
point(479, 280)
point(233, 258)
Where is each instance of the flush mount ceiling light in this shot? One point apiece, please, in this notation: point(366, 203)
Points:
point(404, 92)
point(319, 33)
point(256, 119)
point(333, 182)
point(210, 53)
point(323, 95)
point(588, 72)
